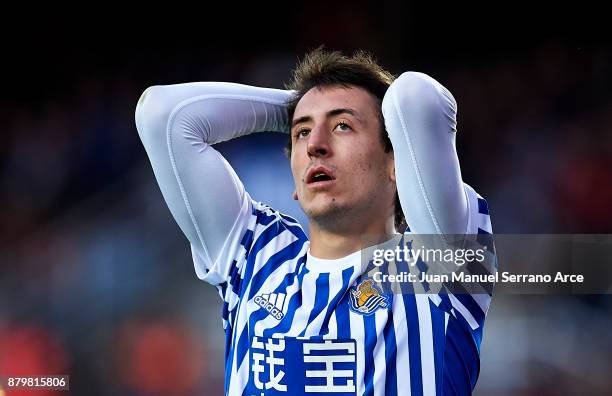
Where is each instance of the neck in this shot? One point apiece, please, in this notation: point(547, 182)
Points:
point(339, 241)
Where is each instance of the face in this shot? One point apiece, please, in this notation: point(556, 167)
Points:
point(338, 162)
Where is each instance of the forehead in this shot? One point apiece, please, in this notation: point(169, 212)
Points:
point(320, 100)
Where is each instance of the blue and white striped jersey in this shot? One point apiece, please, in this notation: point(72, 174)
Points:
point(296, 324)
point(292, 329)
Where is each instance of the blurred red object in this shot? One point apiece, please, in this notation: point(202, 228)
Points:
point(160, 358)
point(28, 350)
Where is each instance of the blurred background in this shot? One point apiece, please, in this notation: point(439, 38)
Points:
point(96, 280)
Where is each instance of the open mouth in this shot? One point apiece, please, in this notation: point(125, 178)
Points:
point(319, 174)
point(320, 177)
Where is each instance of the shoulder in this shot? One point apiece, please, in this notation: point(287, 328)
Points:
point(267, 224)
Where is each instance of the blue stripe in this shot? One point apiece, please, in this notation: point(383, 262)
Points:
point(477, 336)
point(288, 218)
point(289, 279)
point(333, 305)
point(225, 311)
point(461, 360)
point(234, 278)
point(228, 364)
point(222, 288)
point(266, 236)
point(473, 307)
point(296, 230)
point(288, 253)
point(294, 304)
point(447, 306)
point(262, 217)
point(414, 335)
point(485, 238)
point(369, 330)
point(247, 240)
point(373, 302)
point(482, 206)
point(232, 315)
point(390, 356)
point(475, 268)
point(342, 317)
point(414, 344)
point(402, 267)
point(242, 349)
point(243, 345)
point(438, 335)
point(321, 297)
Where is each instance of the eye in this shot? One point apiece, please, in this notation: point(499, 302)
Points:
point(342, 127)
point(302, 133)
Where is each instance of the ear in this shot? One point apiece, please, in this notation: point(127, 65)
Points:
point(294, 195)
point(391, 169)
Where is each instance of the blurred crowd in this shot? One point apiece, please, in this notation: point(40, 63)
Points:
point(96, 280)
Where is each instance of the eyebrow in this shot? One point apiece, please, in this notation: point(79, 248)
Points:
point(331, 113)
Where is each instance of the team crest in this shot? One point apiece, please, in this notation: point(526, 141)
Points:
point(366, 298)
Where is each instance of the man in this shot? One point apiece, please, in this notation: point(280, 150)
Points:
point(300, 315)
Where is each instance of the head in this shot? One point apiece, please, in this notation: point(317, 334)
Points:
point(341, 156)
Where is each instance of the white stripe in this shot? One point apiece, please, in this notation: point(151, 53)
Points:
point(333, 329)
point(335, 284)
point(380, 363)
point(303, 313)
point(446, 318)
point(273, 281)
point(402, 359)
point(280, 301)
point(483, 300)
point(435, 298)
point(240, 376)
point(240, 370)
point(277, 244)
point(357, 333)
point(463, 311)
point(428, 369)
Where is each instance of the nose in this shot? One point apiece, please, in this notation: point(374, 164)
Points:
point(318, 143)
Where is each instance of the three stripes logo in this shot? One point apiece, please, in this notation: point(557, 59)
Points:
point(273, 303)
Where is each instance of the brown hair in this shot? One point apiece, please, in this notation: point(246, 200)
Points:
point(321, 68)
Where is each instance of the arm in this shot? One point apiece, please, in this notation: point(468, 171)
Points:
point(420, 117)
point(177, 124)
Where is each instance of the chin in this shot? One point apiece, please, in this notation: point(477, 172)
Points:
point(326, 212)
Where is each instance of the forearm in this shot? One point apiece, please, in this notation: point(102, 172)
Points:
point(222, 110)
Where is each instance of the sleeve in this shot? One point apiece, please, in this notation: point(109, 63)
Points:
point(177, 125)
point(420, 117)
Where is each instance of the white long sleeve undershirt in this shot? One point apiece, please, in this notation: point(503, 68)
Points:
point(178, 123)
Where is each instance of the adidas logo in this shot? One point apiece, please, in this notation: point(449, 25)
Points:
point(273, 303)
